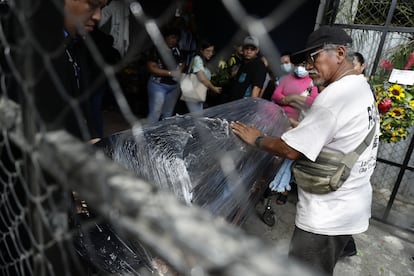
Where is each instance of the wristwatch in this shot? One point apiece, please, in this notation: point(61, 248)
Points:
point(258, 140)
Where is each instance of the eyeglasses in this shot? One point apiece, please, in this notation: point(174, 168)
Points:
point(312, 56)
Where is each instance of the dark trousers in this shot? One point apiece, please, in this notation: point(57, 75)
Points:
point(320, 252)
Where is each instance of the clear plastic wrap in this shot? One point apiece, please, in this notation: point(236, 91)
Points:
point(199, 159)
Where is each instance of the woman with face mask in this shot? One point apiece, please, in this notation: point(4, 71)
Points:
point(295, 94)
point(285, 63)
point(286, 67)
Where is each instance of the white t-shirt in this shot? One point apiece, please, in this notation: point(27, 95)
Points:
point(339, 120)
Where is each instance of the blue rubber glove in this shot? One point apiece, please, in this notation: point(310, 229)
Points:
point(281, 182)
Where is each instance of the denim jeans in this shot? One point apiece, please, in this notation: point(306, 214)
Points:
point(194, 107)
point(162, 98)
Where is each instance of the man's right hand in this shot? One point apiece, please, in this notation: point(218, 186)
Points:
point(247, 133)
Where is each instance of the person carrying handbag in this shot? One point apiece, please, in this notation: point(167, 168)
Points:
point(199, 68)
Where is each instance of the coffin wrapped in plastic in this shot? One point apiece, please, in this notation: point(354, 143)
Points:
point(199, 159)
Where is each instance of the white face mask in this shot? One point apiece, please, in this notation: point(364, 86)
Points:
point(300, 71)
point(286, 67)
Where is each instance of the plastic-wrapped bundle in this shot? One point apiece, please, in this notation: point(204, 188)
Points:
point(104, 250)
point(199, 158)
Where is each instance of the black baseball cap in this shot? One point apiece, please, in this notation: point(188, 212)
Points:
point(320, 37)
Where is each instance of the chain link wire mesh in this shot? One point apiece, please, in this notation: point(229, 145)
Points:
point(40, 168)
point(37, 237)
point(376, 12)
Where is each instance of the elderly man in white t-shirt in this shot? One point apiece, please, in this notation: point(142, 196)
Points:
point(340, 118)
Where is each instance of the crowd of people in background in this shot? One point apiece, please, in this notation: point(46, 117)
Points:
point(248, 74)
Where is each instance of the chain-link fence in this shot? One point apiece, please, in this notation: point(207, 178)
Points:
point(65, 208)
point(47, 229)
point(380, 29)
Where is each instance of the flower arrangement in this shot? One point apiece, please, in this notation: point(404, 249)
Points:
point(396, 107)
point(395, 101)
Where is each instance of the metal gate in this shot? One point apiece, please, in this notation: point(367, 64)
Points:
point(379, 28)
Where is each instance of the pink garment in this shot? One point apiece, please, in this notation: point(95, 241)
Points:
point(292, 85)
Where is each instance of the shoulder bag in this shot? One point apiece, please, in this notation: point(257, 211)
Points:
point(192, 88)
point(329, 171)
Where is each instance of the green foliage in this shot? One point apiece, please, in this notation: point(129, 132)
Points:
point(398, 58)
point(221, 76)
